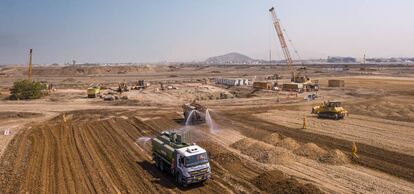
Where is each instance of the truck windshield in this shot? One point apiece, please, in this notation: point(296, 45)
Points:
point(196, 160)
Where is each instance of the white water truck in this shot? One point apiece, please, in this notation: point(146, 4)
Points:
point(188, 163)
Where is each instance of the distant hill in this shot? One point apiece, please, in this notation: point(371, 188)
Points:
point(231, 58)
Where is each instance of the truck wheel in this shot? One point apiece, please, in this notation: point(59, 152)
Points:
point(179, 180)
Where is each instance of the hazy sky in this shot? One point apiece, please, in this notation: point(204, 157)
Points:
point(186, 30)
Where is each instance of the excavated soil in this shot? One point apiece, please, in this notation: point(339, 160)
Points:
point(378, 158)
point(263, 152)
point(95, 151)
point(273, 139)
point(266, 153)
point(336, 157)
point(276, 182)
point(311, 150)
point(289, 143)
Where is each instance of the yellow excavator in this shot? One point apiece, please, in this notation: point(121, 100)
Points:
point(330, 110)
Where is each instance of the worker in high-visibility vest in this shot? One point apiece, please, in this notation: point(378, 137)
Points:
point(354, 150)
point(64, 118)
point(304, 123)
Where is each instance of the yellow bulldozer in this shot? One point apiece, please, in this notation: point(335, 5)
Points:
point(330, 110)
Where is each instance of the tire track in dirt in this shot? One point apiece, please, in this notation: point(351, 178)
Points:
point(96, 152)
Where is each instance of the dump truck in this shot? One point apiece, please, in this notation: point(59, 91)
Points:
point(188, 163)
point(330, 110)
point(194, 113)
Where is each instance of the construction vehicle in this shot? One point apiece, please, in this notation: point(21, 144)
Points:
point(122, 87)
point(49, 87)
point(330, 110)
point(140, 85)
point(188, 163)
point(297, 76)
point(273, 77)
point(93, 91)
point(194, 113)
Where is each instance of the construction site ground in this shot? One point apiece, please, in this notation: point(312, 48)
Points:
point(66, 143)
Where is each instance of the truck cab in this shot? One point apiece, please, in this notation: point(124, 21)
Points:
point(193, 165)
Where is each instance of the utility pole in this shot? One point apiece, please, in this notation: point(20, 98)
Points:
point(30, 64)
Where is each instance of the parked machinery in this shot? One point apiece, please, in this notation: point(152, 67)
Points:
point(140, 85)
point(122, 87)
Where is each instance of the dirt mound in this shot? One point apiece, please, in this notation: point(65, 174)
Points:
point(276, 182)
point(229, 161)
point(225, 158)
point(263, 152)
point(280, 156)
point(335, 157)
point(243, 143)
point(311, 150)
point(255, 149)
point(314, 152)
point(280, 153)
point(289, 143)
point(273, 139)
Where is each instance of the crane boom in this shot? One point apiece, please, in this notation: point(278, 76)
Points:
point(282, 41)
